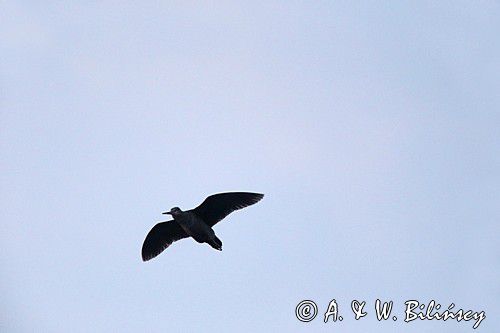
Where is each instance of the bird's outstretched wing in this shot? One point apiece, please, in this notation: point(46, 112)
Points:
point(218, 206)
point(160, 237)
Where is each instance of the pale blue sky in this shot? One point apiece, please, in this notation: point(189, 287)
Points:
point(372, 128)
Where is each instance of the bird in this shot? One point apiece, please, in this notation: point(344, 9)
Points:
point(196, 223)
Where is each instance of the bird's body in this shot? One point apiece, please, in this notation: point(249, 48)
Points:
point(196, 223)
point(196, 228)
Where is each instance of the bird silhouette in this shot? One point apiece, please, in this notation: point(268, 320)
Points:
point(196, 223)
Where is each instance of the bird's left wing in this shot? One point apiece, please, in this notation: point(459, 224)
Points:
point(160, 237)
point(218, 206)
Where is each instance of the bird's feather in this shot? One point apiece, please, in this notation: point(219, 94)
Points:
point(160, 237)
point(218, 206)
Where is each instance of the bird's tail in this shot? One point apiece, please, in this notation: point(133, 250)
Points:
point(216, 243)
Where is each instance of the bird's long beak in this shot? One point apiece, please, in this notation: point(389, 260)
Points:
point(167, 213)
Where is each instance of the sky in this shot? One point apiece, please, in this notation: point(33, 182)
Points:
point(371, 128)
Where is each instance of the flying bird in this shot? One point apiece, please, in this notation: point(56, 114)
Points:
point(196, 223)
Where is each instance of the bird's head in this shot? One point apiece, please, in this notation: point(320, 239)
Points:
point(174, 211)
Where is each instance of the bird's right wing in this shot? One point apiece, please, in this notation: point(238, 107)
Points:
point(218, 206)
point(160, 237)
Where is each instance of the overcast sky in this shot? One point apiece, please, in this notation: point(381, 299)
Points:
point(372, 129)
